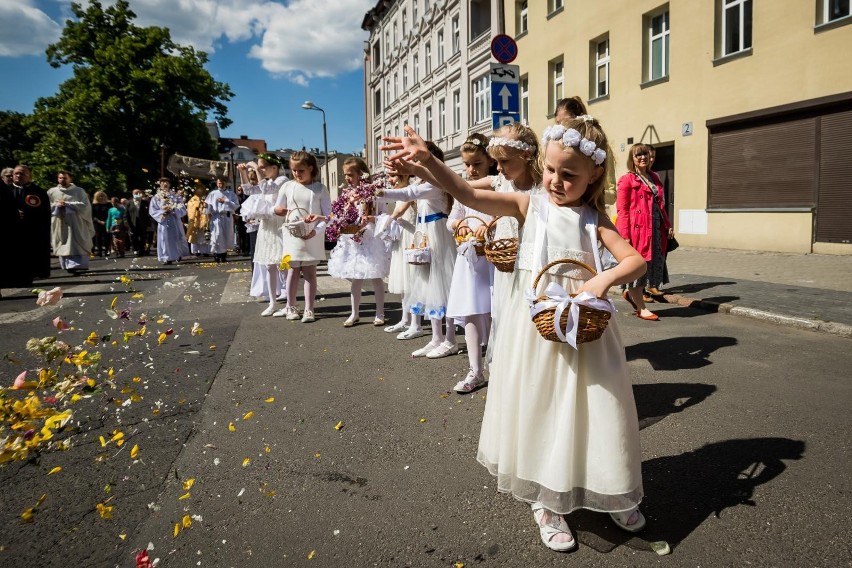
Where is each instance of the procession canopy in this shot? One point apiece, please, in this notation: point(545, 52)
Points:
point(198, 167)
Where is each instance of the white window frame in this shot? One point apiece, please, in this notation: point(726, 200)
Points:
point(740, 6)
point(429, 122)
point(456, 110)
point(601, 63)
point(387, 43)
point(524, 87)
point(405, 78)
point(427, 50)
point(440, 41)
point(395, 42)
point(414, 12)
point(523, 18)
point(663, 38)
point(377, 157)
point(442, 118)
point(553, 5)
point(404, 22)
point(395, 86)
point(415, 70)
point(557, 81)
point(377, 55)
point(388, 92)
point(417, 116)
point(481, 99)
point(377, 102)
point(456, 35)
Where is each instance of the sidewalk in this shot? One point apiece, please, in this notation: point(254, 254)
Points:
point(808, 291)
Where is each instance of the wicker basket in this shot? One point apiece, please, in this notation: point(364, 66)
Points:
point(419, 252)
point(479, 246)
point(592, 322)
point(500, 252)
point(350, 230)
point(295, 223)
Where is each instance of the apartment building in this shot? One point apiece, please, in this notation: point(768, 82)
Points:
point(426, 64)
point(749, 105)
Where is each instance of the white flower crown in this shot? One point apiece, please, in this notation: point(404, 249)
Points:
point(572, 138)
point(474, 141)
point(517, 144)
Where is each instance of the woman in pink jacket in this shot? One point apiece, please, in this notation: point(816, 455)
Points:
point(643, 222)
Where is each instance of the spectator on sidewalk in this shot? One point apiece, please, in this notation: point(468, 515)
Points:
point(644, 223)
point(100, 211)
point(71, 224)
point(117, 227)
point(30, 228)
point(654, 288)
point(138, 217)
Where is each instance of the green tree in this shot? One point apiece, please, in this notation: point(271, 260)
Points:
point(132, 90)
point(14, 141)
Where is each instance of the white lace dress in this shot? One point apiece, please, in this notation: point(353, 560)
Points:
point(473, 275)
point(560, 424)
point(430, 283)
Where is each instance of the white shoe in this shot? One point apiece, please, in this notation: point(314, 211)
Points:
point(412, 333)
point(268, 311)
point(471, 382)
point(351, 320)
point(281, 298)
point(292, 313)
point(280, 313)
point(397, 327)
point(423, 351)
point(443, 350)
point(308, 316)
point(551, 525)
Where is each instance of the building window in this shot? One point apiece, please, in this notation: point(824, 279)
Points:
point(377, 55)
point(736, 26)
point(377, 102)
point(415, 70)
point(394, 35)
point(521, 18)
point(832, 10)
point(658, 45)
point(417, 116)
point(442, 118)
point(525, 99)
point(557, 81)
point(378, 155)
point(480, 18)
point(554, 5)
point(440, 47)
point(414, 11)
point(456, 35)
point(426, 5)
point(404, 22)
point(396, 130)
point(387, 43)
point(395, 86)
point(600, 55)
point(427, 55)
point(456, 111)
point(404, 78)
point(388, 92)
point(428, 123)
point(481, 99)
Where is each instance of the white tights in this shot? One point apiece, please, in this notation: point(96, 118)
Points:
point(378, 291)
point(438, 335)
point(309, 273)
point(475, 340)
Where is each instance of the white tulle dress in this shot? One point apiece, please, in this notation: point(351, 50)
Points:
point(399, 272)
point(473, 275)
point(260, 205)
point(363, 260)
point(560, 424)
point(430, 283)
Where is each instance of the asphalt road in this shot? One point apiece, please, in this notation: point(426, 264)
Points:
point(356, 455)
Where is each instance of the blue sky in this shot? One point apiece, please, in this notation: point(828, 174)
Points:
point(274, 54)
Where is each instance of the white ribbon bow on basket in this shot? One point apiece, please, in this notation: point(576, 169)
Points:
point(468, 250)
point(557, 297)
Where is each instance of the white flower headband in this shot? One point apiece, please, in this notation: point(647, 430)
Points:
point(572, 138)
point(517, 144)
point(474, 141)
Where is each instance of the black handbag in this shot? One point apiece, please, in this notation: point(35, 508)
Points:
point(672, 244)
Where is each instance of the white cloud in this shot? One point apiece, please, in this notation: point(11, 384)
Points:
point(24, 29)
point(296, 39)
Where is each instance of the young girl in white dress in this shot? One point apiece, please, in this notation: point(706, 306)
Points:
point(309, 199)
point(399, 277)
point(260, 205)
point(469, 303)
point(560, 429)
point(430, 283)
point(368, 259)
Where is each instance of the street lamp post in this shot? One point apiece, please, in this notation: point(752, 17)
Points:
point(162, 160)
point(308, 105)
point(233, 171)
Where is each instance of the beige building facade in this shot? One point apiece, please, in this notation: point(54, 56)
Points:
point(749, 105)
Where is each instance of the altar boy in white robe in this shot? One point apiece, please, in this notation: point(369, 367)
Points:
point(221, 205)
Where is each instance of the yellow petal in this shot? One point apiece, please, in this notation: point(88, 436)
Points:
point(422, 420)
point(270, 399)
point(103, 441)
point(187, 521)
point(184, 497)
point(27, 515)
point(267, 449)
point(177, 530)
point(122, 536)
point(187, 485)
point(117, 436)
point(134, 451)
point(458, 565)
point(231, 427)
point(56, 469)
point(114, 302)
point(161, 338)
point(248, 415)
point(311, 554)
point(339, 425)
point(75, 397)
point(91, 383)
point(246, 462)
point(138, 296)
point(317, 455)
point(105, 511)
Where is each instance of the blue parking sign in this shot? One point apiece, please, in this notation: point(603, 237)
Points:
point(504, 98)
point(500, 119)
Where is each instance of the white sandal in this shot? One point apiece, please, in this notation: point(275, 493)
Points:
point(623, 518)
point(552, 527)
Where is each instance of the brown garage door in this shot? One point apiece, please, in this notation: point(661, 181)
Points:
point(834, 200)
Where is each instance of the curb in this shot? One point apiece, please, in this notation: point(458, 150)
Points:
point(833, 328)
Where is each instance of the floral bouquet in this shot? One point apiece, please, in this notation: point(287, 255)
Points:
point(346, 211)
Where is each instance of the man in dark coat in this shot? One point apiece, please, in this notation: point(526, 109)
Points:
point(140, 218)
point(25, 231)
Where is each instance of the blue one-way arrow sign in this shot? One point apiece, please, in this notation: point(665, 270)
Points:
point(504, 98)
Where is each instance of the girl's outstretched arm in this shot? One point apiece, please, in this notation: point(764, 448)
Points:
point(630, 266)
point(412, 148)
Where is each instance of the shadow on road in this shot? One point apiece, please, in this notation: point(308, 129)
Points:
point(682, 491)
point(656, 401)
point(678, 352)
point(697, 287)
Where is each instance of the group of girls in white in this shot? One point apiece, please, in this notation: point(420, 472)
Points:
point(560, 429)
